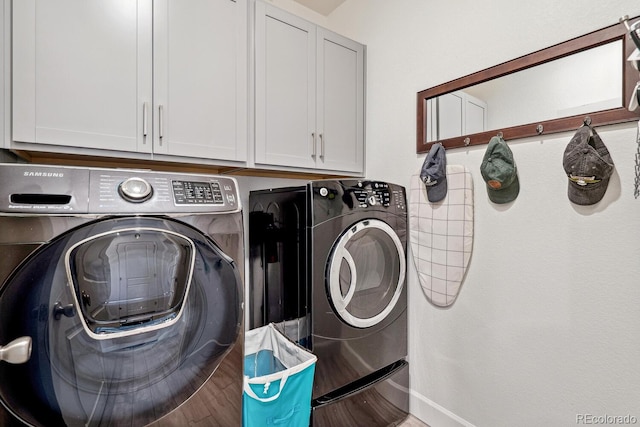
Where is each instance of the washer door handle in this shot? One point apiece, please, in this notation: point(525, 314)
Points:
point(346, 255)
point(17, 351)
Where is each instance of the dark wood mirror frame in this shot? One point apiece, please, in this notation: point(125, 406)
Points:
point(598, 118)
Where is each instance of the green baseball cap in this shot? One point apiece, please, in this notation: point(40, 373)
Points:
point(499, 172)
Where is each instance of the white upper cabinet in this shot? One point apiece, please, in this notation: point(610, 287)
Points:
point(309, 95)
point(200, 78)
point(340, 91)
point(285, 88)
point(165, 76)
point(82, 72)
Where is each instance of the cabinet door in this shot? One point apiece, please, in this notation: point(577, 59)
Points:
point(450, 113)
point(340, 114)
point(200, 78)
point(475, 115)
point(83, 76)
point(285, 89)
point(455, 114)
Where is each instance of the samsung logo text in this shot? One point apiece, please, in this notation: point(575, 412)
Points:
point(44, 174)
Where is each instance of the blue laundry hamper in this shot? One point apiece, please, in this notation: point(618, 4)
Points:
point(278, 380)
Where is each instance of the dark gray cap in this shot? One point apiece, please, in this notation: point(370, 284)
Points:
point(434, 173)
point(588, 165)
point(499, 171)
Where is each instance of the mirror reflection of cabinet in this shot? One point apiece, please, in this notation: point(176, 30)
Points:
point(455, 114)
point(528, 96)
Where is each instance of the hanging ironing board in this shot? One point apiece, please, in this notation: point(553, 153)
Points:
point(442, 235)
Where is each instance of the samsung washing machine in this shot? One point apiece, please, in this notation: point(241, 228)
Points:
point(121, 297)
point(328, 266)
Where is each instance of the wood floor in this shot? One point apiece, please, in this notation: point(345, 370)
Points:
point(199, 411)
point(413, 422)
point(218, 403)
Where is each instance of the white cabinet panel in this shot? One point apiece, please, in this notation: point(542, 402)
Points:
point(166, 77)
point(476, 116)
point(450, 108)
point(309, 95)
point(200, 72)
point(455, 114)
point(80, 70)
point(285, 94)
point(340, 122)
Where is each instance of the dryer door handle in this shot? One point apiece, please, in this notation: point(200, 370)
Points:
point(17, 351)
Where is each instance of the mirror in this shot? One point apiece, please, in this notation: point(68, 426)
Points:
point(506, 98)
point(516, 98)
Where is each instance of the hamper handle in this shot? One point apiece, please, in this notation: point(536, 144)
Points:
point(253, 395)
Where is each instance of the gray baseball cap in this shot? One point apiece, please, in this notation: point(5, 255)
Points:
point(499, 171)
point(434, 173)
point(588, 166)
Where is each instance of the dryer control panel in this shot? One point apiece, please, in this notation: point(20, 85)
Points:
point(372, 194)
point(358, 195)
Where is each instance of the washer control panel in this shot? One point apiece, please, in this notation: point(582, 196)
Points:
point(197, 193)
point(117, 191)
point(69, 190)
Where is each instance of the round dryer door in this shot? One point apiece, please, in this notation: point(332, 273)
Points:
point(128, 317)
point(366, 273)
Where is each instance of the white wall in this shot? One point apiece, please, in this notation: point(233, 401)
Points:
point(547, 324)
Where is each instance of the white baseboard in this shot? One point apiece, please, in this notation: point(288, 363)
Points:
point(433, 414)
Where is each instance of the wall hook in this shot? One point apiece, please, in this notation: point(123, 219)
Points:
point(500, 135)
point(625, 21)
point(539, 129)
point(587, 121)
point(467, 141)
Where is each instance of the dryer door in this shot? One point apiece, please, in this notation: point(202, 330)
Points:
point(128, 318)
point(366, 273)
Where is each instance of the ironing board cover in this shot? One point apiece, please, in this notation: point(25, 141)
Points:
point(442, 235)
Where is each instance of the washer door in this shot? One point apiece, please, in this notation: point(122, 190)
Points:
point(128, 318)
point(366, 273)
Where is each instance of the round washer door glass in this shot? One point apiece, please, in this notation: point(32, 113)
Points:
point(366, 273)
point(128, 318)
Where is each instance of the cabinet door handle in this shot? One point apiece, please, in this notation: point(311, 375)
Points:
point(145, 119)
point(321, 146)
point(313, 145)
point(160, 123)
